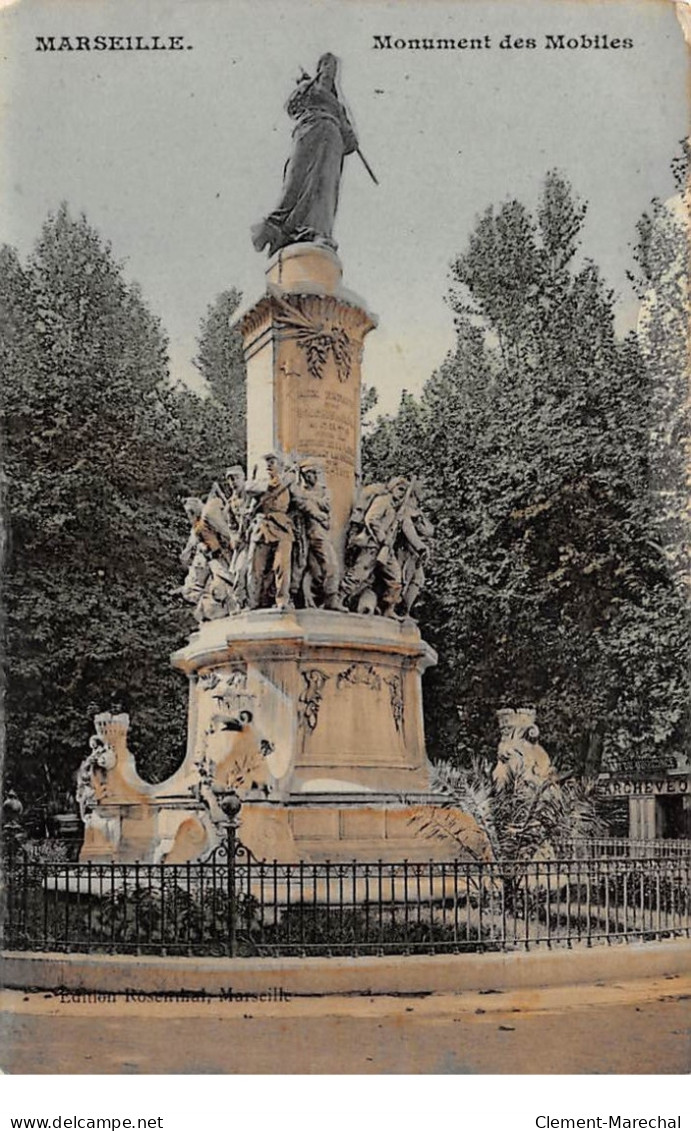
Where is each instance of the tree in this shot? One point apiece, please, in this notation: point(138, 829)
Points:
point(93, 471)
point(216, 422)
point(532, 441)
point(661, 635)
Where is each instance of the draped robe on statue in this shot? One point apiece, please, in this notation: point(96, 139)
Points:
point(322, 138)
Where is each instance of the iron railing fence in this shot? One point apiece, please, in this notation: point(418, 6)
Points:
point(594, 847)
point(232, 904)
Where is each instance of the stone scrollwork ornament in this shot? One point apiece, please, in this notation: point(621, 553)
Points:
point(395, 686)
point(234, 682)
point(311, 697)
point(228, 689)
point(209, 680)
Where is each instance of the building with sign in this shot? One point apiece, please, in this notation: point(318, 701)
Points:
point(659, 804)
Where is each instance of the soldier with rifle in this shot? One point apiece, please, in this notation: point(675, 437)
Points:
point(313, 506)
point(237, 512)
point(375, 571)
point(271, 535)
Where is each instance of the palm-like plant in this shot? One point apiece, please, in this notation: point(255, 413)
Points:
point(516, 825)
point(520, 820)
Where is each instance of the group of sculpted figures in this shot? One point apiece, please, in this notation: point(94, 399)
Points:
point(267, 543)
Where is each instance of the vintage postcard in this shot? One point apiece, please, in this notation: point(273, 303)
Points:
point(345, 420)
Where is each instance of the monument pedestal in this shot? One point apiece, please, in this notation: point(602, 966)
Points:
point(336, 697)
point(331, 705)
point(343, 828)
point(303, 343)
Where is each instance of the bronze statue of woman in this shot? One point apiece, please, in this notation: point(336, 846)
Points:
point(322, 137)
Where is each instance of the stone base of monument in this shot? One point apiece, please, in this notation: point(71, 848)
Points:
point(326, 702)
point(363, 827)
point(322, 713)
point(175, 829)
point(314, 718)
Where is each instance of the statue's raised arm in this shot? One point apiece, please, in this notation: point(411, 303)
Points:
point(322, 137)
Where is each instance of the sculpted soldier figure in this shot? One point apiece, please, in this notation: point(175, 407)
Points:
point(313, 505)
point(237, 517)
point(271, 536)
point(209, 584)
point(218, 599)
point(375, 569)
point(411, 547)
point(193, 509)
point(195, 555)
point(322, 137)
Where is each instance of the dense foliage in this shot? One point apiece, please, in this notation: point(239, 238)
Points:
point(99, 449)
point(534, 443)
point(215, 425)
point(553, 457)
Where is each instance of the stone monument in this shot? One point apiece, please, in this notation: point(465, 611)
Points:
point(305, 669)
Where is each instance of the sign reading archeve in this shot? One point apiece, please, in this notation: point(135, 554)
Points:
point(657, 787)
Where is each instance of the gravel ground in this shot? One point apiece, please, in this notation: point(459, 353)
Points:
point(633, 1027)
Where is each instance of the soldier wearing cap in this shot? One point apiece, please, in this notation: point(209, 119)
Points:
point(313, 504)
point(411, 547)
point(208, 584)
point(272, 535)
point(375, 563)
point(237, 517)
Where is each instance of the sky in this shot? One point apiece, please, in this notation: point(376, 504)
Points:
point(173, 155)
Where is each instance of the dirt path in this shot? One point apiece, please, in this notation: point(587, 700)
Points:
point(634, 1027)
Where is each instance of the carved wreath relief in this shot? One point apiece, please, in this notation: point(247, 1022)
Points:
point(367, 676)
point(225, 687)
point(317, 337)
point(360, 673)
point(357, 674)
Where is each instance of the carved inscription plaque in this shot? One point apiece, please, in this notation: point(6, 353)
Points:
point(314, 343)
point(317, 393)
point(326, 429)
